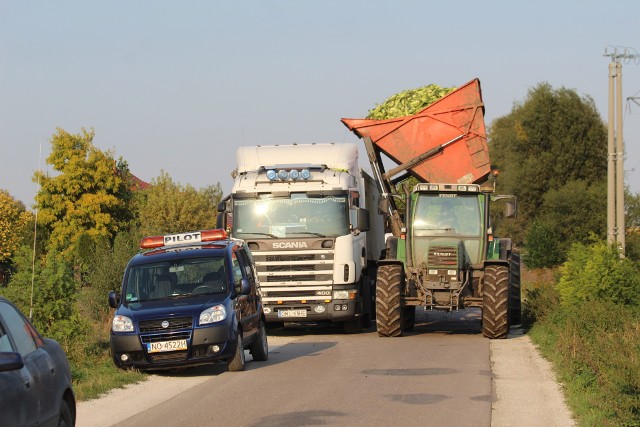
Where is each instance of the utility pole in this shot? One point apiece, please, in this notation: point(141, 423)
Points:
point(615, 163)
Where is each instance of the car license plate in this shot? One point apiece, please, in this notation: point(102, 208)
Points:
point(292, 313)
point(155, 347)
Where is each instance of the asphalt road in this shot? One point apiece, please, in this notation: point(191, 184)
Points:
point(443, 373)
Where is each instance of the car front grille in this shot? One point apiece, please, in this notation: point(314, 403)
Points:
point(174, 324)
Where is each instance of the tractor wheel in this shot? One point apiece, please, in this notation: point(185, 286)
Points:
point(388, 302)
point(515, 301)
point(495, 302)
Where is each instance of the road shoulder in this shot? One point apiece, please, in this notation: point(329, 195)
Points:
point(525, 389)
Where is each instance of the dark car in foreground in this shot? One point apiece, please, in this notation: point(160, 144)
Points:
point(35, 378)
point(188, 299)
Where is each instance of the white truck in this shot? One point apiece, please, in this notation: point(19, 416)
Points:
point(305, 212)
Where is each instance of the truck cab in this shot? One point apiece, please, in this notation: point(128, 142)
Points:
point(303, 210)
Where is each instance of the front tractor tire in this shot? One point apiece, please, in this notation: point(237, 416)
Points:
point(388, 300)
point(495, 302)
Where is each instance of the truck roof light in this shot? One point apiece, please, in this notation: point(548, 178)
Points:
point(283, 174)
point(271, 175)
point(305, 174)
point(294, 174)
point(177, 239)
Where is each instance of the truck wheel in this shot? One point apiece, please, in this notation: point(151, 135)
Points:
point(388, 301)
point(260, 347)
point(408, 318)
point(515, 301)
point(237, 363)
point(495, 302)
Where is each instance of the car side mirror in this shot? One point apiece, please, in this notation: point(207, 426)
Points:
point(245, 286)
point(114, 300)
point(10, 361)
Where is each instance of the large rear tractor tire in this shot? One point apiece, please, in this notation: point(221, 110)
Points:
point(388, 300)
point(515, 297)
point(495, 302)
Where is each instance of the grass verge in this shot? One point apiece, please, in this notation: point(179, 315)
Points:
point(595, 350)
point(96, 375)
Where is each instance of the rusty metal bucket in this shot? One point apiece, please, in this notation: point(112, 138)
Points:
point(451, 131)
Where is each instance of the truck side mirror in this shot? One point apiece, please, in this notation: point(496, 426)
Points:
point(222, 206)
point(113, 300)
point(363, 220)
point(510, 210)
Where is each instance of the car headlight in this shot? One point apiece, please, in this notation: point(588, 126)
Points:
point(121, 324)
point(217, 313)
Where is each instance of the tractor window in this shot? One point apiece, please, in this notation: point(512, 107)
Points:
point(447, 213)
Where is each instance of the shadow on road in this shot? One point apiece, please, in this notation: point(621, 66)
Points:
point(462, 322)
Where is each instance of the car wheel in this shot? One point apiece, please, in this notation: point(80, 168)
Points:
point(237, 363)
point(65, 419)
point(260, 347)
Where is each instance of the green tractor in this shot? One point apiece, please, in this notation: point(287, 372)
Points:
point(440, 252)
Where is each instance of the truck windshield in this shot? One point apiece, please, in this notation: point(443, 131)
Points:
point(447, 214)
point(294, 216)
point(175, 279)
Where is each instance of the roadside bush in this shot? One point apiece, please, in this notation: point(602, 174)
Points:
point(596, 272)
point(540, 300)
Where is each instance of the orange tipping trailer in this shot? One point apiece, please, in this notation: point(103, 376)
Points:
point(444, 142)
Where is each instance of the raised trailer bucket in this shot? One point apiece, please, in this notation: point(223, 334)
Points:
point(445, 142)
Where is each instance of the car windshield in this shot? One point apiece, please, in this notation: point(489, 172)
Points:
point(173, 279)
point(294, 216)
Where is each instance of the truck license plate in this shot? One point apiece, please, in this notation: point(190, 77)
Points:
point(292, 313)
point(155, 347)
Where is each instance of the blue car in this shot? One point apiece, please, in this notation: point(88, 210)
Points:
point(188, 299)
point(35, 378)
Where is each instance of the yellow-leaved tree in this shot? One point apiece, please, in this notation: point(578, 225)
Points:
point(14, 224)
point(91, 192)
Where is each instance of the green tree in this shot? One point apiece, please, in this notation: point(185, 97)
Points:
point(554, 137)
point(103, 264)
point(578, 210)
point(542, 246)
point(91, 192)
point(169, 207)
point(49, 284)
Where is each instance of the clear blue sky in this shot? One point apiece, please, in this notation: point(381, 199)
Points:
point(178, 86)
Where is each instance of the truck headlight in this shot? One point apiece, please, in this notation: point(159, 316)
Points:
point(121, 324)
point(217, 313)
point(346, 294)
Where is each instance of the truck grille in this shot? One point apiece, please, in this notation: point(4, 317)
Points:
point(287, 271)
